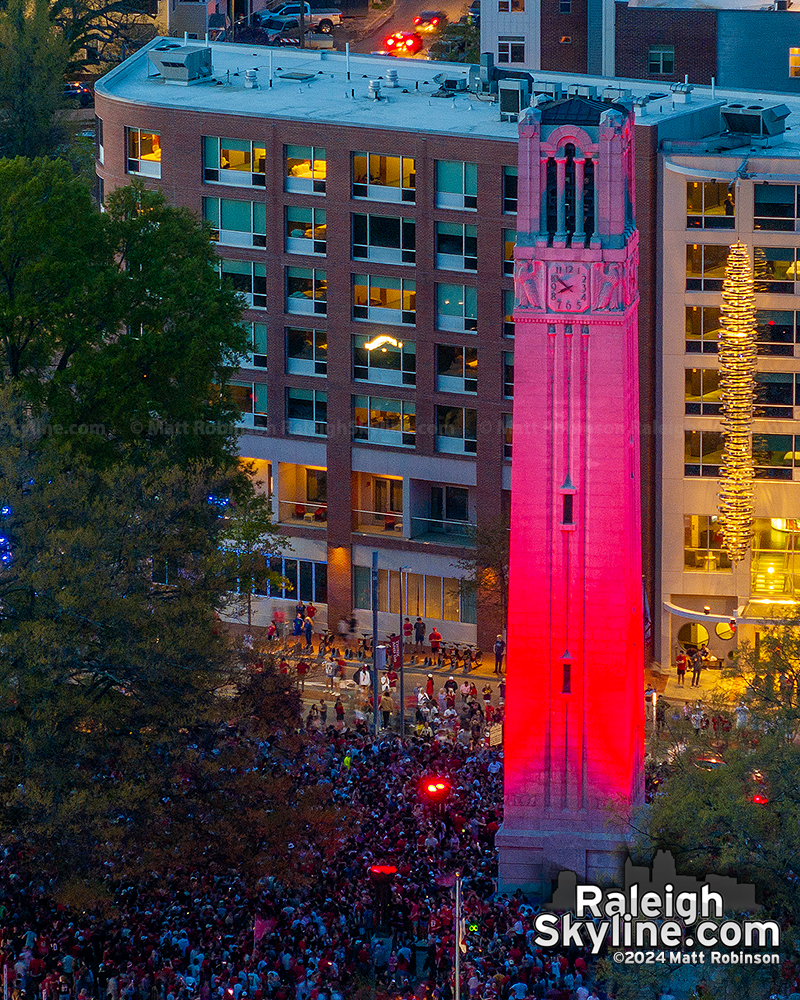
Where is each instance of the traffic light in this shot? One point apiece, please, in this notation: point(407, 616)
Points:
point(435, 790)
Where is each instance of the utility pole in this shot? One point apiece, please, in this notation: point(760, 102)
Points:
point(375, 641)
point(459, 932)
point(402, 674)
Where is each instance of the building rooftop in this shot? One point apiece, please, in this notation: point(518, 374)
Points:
point(313, 85)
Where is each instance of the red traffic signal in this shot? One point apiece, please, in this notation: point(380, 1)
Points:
point(435, 789)
point(382, 870)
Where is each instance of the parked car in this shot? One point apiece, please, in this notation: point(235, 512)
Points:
point(322, 19)
point(430, 20)
point(402, 43)
point(78, 93)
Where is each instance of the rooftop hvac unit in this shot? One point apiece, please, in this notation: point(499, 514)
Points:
point(755, 119)
point(182, 64)
point(452, 83)
point(514, 95)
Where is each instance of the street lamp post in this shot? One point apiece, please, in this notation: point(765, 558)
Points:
point(402, 674)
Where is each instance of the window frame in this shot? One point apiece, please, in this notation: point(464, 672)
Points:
point(254, 237)
point(467, 380)
point(256, 297)
point(231, 176)
point(511, 49)
point(371, 433)
point(510, 198)
point(317, 364)
point(404, 375)
point(152, 166)
point(456, 444)
point(298, 303)
point(457, 322)
point(655, 57)
point(309, 245)
point(463, 234)
point(316, 182)
point(465, 197)
point(301, 426)
point(256, 415)
point(367, 312)
point(367, 190)
point(710, 215)
point(403, 253)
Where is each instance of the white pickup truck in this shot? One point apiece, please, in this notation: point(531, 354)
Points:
point(322, 19)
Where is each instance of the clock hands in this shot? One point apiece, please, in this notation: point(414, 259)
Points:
point(567, 286)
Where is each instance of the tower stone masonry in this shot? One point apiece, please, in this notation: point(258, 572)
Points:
point(574, 735)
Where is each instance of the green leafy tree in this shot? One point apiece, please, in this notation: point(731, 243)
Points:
point(104, 671)
point(116, 323)
point(58, 279)
point(460, 42)
point(117, 678)
point(33, 60)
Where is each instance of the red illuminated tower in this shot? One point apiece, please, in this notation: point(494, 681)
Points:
point(575, 703)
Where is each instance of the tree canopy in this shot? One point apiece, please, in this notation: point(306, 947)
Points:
point(116, 322)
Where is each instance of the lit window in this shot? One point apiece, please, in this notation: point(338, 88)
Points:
point(306, 169)
point(509, 242)
point(709, 205)
point(511, 6)
point(235, 162)
point(702, 544)
point(384, 300)
point(384, 421)
point(703, 395)
point(384, 178)
point(508, 421)
point(702, 453)
point(144, 152)
point(306, 291)
point(508, 312)
point(251, 399)
point(389, 363)
point(705, 267)
point(306, 230)
point(794, 62)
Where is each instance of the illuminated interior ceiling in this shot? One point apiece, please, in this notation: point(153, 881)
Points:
point(737, 364)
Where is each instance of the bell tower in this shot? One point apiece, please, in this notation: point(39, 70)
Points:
point(574, 734)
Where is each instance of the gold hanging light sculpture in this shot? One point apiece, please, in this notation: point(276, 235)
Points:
point(737, 365)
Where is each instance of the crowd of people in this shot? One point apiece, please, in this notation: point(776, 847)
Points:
point(316, 935)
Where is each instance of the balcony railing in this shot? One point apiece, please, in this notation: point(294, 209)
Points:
point(377, 522)
point(302, 512)
point(430, 529)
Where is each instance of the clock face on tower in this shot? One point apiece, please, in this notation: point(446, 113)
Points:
point(568, 287)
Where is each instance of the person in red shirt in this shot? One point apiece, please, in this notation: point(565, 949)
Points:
point(435, 639)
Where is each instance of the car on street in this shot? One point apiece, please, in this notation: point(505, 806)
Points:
point(430, 20)
point(402, 43)
point(322, 19)
point(78, 93)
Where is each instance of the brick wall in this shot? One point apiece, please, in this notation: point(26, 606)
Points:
point(692, 32)
point(557, 55)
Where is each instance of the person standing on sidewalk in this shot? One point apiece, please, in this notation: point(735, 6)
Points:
point(680, 661)
point(499, 650)
point(419, 633)
point(386, 706)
